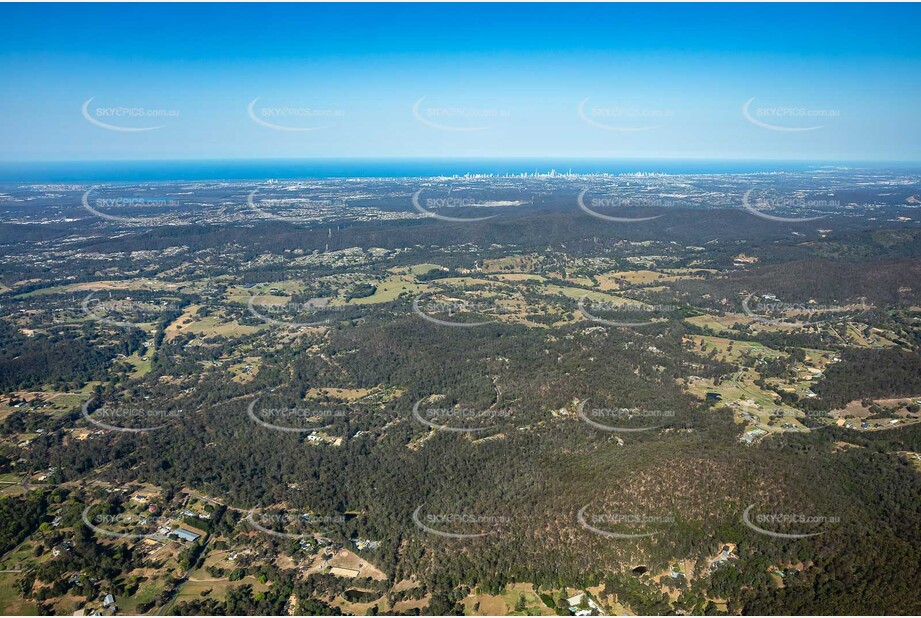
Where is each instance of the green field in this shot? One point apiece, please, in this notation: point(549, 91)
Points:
point(390, 289)
point(11, 604)
point(191, 590)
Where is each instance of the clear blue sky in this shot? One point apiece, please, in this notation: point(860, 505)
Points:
point(660, 81)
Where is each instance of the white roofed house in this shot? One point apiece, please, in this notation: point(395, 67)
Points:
point(582, 604)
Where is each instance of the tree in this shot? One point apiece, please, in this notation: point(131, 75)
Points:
point(521, 604)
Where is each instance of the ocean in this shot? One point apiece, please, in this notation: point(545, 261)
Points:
point(291, 169)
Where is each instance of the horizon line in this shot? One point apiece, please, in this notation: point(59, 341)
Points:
point(457, 158)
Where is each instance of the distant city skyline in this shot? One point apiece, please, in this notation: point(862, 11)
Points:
point(805, 82)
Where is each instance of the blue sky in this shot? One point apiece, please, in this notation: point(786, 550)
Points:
point(829, 82)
